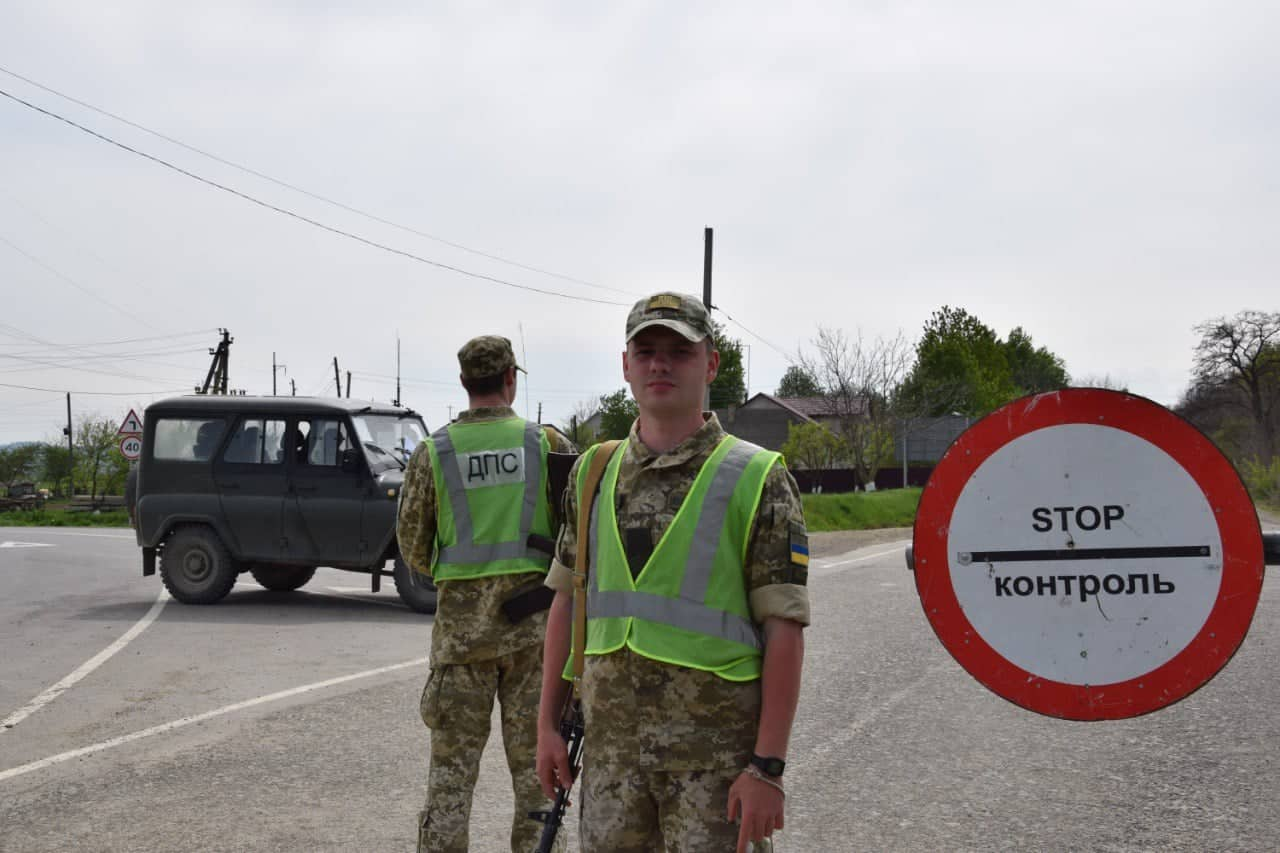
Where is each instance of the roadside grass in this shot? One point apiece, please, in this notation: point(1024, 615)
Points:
point(54, 517)
point(861, 510)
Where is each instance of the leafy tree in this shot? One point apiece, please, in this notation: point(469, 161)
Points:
point(798, 382)
point(1240, 359)
point(55, 466)
point(96, 442)
point(729, 388)
point(859, 380)
point(1103, 381)
point(1034, 369)
point(617, 412)
point(961, 366)
point(813, 446)
point(18, 463)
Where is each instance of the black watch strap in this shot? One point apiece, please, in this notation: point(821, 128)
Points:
point(768, 765)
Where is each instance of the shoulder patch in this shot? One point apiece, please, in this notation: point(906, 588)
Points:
point(799, 544)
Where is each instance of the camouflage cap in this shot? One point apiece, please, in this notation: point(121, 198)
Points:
point(678, 311)
point(487, 355)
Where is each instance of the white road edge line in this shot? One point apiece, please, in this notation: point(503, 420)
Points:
point(896, 550)
point(87, 667)
point(53, 531)
point(199, 718)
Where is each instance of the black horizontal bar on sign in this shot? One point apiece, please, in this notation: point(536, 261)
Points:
point(1047, 554)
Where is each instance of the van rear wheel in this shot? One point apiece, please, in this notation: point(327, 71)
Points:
point(196, 567)
point(282, 578)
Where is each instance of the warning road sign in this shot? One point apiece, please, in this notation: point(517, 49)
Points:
point(1087, 554)
point(132, 424)
point(131, 447)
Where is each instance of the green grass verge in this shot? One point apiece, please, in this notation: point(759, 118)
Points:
point(861, 510)
point(61, 518)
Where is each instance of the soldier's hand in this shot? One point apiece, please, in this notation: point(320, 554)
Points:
point(758, 804)
point(552, 763)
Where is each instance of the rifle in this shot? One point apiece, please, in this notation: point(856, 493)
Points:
point(571, 729)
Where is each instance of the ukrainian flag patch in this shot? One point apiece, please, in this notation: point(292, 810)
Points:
point(799, 545)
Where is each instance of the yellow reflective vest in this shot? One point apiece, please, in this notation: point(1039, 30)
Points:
point(491, 481)
point(688, 605)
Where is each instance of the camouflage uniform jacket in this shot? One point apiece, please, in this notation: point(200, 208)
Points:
point(656, 716)
point(469, 624)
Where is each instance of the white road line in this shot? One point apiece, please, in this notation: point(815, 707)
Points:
point(826, 568)
point(89, 666)
point(52, 531)
point(26, 544)
point(199, 718)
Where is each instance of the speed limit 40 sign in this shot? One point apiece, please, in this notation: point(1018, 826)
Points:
point(131, 447)
point(1087, 554)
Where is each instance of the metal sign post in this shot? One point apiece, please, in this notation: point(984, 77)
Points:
point(1087, 554)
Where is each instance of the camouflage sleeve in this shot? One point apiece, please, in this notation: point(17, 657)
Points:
point(560, 577)
point(559, 442)
point(416, 515)
point(777, 564)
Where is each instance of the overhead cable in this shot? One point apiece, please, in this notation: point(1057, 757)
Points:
point(302, 191)
point(314, 222)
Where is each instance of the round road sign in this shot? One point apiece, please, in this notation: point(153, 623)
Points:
point(1087, 554)
point(131, 447)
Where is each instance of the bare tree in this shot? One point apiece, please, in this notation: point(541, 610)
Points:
point(575, 427)
point(1243, 353)
point(860, 380)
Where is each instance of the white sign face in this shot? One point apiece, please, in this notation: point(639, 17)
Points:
point(131, 425)
point(491, 467)
point(1084, 554)
point(131, 447)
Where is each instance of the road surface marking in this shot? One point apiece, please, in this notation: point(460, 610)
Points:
point(199, 718)
point(87, 667)
point(26, 544)
point(48, 531)
point(825, 568)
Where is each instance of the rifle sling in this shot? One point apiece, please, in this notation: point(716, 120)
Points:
point(598, 462)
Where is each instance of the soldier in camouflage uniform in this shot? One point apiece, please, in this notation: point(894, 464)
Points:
point(476, 650)
point(676, 753)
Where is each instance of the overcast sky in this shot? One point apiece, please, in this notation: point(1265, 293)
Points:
point(1102, 174)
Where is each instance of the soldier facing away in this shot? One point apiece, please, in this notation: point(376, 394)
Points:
point(696, 604)
point(473, 496)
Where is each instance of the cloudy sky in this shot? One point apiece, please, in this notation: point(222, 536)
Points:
point(1102, 174)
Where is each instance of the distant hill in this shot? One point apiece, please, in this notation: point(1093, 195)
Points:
point(17, 444)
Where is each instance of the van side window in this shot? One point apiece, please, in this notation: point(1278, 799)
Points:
point(186, 439)
point(256, 441)
point(326, 439)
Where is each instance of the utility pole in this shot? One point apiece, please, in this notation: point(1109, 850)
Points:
point(397, 401)
point(215, 381)
point(706, 291)
point(539, 411)
point(274, 368)
point(337, 380)
point(71, 458)
point(293, 388)
point(348, 384)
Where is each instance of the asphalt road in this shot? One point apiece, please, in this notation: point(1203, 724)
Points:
point(281, 722)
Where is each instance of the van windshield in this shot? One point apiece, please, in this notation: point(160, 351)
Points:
point(388, 440)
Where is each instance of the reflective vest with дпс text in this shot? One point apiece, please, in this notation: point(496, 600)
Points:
point(688, 606)
point(491, 481)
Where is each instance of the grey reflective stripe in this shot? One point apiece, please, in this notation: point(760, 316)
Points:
point(453, 485)
point(715, 510)
point(689, 615)
point(471, 553)
point(467, 551)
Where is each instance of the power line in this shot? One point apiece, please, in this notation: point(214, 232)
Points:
point(191, 334)
point(305, 192)
point(71, 281)
point(783, 353)
point(316, 223)
point(93, 393)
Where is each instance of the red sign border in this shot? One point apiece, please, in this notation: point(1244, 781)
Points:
point(122, 431)
point(127, 437)
point(1242, 559)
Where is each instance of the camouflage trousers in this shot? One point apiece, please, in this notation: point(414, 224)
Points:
point(636, 811)
point(457, 704)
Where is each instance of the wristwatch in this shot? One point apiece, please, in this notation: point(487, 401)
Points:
point(768, 765)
